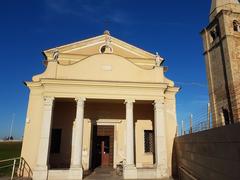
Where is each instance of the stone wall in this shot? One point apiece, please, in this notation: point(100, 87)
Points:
point(212, 154)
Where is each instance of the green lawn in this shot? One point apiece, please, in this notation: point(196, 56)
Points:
point(8, 150)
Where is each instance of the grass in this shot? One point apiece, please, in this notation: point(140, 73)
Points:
point(8, 150)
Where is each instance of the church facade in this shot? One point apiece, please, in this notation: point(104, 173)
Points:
point(100, 101)
point(222, 55)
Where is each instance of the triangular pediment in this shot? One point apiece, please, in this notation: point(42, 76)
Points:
point(80, 50)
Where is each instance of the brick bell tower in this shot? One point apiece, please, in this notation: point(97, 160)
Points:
point(221, 40)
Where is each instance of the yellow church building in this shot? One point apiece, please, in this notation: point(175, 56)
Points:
point(100, 101)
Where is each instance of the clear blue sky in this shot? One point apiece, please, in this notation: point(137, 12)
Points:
point(169, 27)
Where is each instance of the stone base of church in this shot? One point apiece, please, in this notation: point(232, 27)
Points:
point(145, 173)
point(40, 173)
point(73, 174)
point(161, 173)
point(130, 172)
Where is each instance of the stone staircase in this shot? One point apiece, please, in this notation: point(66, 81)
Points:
point(103, 173)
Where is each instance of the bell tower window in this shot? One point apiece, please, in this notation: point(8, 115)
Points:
point(236, 26)
point(214, 33)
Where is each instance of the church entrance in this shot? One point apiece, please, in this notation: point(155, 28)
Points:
point(102, 146)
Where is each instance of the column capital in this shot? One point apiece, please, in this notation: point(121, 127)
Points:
point(80, 101)
point(158, 103)
point(80, 108)
point(48, 100)
point(129, 101)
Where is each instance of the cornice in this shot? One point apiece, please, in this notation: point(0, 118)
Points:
point(69, 48)
point(173, 89)
point(43, 82)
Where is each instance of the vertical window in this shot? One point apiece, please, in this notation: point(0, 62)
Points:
point(236, 26)
point(214, 33)
point(56, 140)
point(148, 141)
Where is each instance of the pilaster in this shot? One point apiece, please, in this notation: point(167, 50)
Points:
point(77, 138)
point(160, 138)
point(41, 170)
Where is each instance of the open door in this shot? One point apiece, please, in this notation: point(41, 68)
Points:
point(105, 151)
point(102, 148)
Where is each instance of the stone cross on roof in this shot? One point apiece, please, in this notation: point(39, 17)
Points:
point(107, 48)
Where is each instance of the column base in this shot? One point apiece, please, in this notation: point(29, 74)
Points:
point(40, 173)
point(75, 173)
point(130, 172)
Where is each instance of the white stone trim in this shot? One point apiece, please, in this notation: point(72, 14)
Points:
point(106, 122)
point(82, 47)
point(160, 137)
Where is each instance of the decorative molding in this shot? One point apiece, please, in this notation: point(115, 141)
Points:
point(129, 104)
point(80, 100)
point(159, 104)
point(105, 121)
point(96, 82)
point(48, 101)
point(129, 101)
point(27, 120)
point(55, 55)
point(158, 60)
point(82, 47)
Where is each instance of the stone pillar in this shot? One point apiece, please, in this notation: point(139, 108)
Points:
point(41, 170)
point(160, 139)
point(130, 171)
point(77, 138)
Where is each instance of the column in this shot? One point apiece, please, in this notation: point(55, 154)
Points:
point(40, 172)
point(160, 138)
point(77, 138)
point(129, 133)
point(130, 169)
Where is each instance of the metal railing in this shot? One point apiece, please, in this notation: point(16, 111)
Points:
point(15, 168)
point(202, 121)
point(199, 121)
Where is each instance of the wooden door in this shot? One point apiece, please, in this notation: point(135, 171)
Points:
point(105, 154)
point(108, 132)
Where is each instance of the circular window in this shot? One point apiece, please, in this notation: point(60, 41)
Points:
point(105, 49)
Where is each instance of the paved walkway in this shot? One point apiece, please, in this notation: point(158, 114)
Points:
point(106, 174)
point(98, 174)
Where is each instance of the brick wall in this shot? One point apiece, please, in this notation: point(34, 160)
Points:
point(222, 58)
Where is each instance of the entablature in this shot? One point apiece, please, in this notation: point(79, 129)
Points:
point(100, 90)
